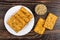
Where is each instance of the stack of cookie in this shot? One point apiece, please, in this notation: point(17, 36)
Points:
point(19, 19)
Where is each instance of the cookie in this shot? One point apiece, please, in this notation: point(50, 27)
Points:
point(39, 26)
point(50, 21)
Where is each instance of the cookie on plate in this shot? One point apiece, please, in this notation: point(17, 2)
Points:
point(19, 19)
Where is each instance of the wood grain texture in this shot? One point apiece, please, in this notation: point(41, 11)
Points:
point(52, 5)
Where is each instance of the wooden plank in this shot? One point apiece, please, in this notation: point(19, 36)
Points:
point(22, 0)
point(28, 0)
point(7, 35)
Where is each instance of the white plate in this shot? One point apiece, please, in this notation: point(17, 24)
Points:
point(26, 29)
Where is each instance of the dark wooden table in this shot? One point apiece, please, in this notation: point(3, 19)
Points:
point(52, 5)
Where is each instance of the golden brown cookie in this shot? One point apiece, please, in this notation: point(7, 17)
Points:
point(39, 26)
point(50, 21)
point(19, 19)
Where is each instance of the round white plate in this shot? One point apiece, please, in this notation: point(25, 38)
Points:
point(27, 27)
